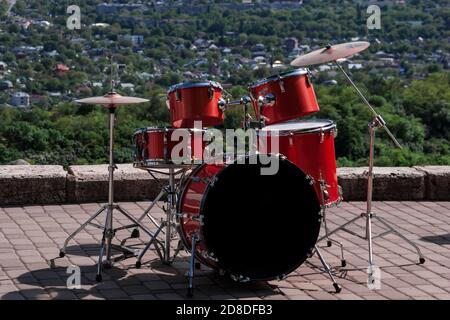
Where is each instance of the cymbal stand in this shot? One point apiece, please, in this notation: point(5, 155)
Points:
point(109, 231)
point(377, 122)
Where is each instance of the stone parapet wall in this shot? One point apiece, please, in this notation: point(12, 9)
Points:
point(28, 184)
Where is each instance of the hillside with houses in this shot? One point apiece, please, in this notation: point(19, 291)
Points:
point(44, 66)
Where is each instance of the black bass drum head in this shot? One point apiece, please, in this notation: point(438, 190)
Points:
point(260, 227)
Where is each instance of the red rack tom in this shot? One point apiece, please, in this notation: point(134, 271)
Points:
point(195, 101)
point(290, 96)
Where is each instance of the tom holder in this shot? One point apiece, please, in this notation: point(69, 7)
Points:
point(244, 101)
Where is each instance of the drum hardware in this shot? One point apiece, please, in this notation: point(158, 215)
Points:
point(166, 151)
point(334, 132)
point(330, 241)
point(209, 255)
point(167, 224)
point(341, 194)
point(190, 216)
point(222, 104)
point(194, 239)
point(111, 101)
point(377, 122)
point(282, 277)
point(269, 100)
point(308, 78)
point(327, 268)
point(239, 278)
point(210, 92)
point(281, 84)
point(262, 119)
point(310, 179)
point(198, 179)
point(244, 101)
point(369, 215)
point(322, 136)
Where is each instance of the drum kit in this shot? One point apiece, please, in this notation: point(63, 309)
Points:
point(229, 216)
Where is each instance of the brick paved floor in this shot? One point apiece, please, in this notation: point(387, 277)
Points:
point(29, 268)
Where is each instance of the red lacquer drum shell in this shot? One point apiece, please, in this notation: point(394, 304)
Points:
point(310, 145)
point(190, 102)
point(154, 146)
point(293, 93)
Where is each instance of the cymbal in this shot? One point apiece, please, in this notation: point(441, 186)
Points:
point(112, 99)
point(330, 53)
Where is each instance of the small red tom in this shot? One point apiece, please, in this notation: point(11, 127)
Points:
point(287, 96)
point(195, 101)
point(156, 146)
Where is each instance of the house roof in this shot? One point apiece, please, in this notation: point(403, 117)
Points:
point(62, 67)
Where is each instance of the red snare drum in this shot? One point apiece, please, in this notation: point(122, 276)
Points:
point(189, 102)
point(310, 145)
point(292, 96)
point(246, 221)
point(154, 146)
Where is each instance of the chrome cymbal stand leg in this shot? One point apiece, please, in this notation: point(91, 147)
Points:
point(190, 292)
point(148, 245)
point(336, 286)
point(62, 252)
point(146, 213)
point(98, 276)
point(169, 215)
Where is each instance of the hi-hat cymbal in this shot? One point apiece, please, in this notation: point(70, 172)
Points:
point(112, 99)
point(330, 53)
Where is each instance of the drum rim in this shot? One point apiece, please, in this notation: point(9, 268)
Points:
point(193, 84)
point(285, 132)
point(207, 189)
point(282, 75)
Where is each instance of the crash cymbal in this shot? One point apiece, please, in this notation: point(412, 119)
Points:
point(112, 99)
point(330, 53)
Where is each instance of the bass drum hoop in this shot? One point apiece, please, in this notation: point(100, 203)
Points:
point(179, 218)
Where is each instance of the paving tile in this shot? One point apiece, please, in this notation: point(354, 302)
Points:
point(31, 236)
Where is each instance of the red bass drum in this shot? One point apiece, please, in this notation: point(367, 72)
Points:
point(310, 145)
point(254, 226)
point(291, 94)
point(195, 101)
